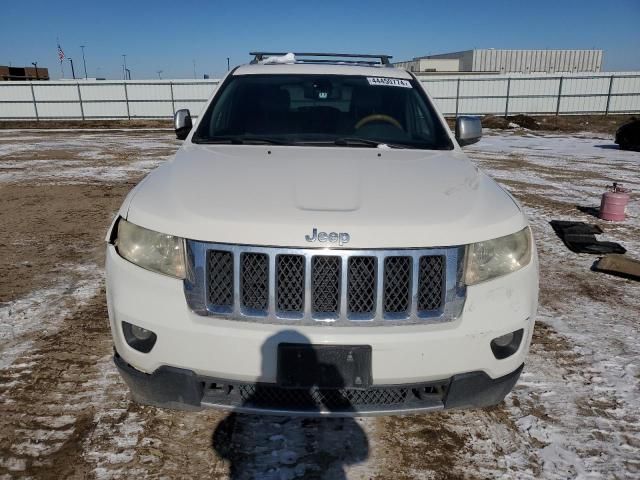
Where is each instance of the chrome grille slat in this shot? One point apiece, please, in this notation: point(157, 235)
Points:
point(415, 285)
point(344, 270)
point(272, 287)
point(325, 286)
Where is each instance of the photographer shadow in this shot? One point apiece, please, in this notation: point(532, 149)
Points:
point(284, 446)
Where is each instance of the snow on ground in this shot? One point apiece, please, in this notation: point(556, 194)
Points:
point(81, 156)
point(43, 310)
point(588, 404)
point(59, 389)
point(566, 168)
point(74, 171)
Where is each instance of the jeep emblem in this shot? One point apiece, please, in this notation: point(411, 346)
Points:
point(341, 238)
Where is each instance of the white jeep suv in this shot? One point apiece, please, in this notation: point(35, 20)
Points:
point(320, 245)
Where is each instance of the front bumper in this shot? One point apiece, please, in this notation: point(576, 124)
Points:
point(171, 387)
point(245, 353)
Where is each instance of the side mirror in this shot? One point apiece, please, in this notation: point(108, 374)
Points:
point(468, 130)
point(182, 123)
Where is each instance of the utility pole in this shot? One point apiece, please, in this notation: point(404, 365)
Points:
point(227, 64)
point(35, 64)
point(73, 72)
point(124, 66)
point(159, 72)
point(194, 69)
point(84, 62)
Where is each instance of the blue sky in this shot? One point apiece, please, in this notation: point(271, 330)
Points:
point(170, 35)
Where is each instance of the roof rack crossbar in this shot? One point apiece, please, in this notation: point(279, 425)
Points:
point(383, 59)
point(350, 62)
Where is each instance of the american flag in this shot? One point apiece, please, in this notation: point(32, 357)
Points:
point(60, 53)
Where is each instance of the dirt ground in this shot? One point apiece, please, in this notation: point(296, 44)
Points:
point(65, 413)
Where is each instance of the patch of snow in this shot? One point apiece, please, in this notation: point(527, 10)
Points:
point(279, 59)
point(117, 431)
point(42, 310)
point(101, 156)
point(13, 464)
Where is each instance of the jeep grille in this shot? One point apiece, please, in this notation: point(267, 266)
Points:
point(343, 287)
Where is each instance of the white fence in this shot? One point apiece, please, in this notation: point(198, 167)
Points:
point(93, 100)
point(534, 94)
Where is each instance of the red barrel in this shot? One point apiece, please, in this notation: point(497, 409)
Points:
point(614, 203)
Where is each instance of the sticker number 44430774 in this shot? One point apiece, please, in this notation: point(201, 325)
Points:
point(389, 82)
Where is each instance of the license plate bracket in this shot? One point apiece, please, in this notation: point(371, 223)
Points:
point(324, 366)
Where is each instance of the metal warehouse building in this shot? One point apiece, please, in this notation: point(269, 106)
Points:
point(508, 61)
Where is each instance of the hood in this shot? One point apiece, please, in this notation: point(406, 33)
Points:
point(277, 195)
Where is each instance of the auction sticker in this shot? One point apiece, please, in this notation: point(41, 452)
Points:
point(389, 82)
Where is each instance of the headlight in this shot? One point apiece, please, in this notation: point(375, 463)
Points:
point(494, 258)
point(151, 250)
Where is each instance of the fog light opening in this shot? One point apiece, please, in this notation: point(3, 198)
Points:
point(139, 338)
point(506, 345)
point(140, 333)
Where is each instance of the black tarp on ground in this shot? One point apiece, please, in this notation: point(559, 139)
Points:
point(580, 237)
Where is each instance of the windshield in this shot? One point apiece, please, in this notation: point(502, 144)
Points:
point(322, 109)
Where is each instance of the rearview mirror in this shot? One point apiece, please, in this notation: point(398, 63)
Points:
point(182, 123)
point(468, 130)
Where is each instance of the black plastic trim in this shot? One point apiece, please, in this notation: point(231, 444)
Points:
point(177, 388)
point(134, 342)
point(504, 351)
point(477, 389)
point(113, 233)
point(168, 387)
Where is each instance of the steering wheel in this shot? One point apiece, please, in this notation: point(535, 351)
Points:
point(378, 117)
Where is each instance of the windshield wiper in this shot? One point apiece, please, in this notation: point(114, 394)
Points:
point(357, 141)
point(240, 140)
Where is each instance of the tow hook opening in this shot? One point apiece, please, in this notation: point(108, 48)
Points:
point(506, 345)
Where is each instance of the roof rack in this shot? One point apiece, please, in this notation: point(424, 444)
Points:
point(381, 59)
